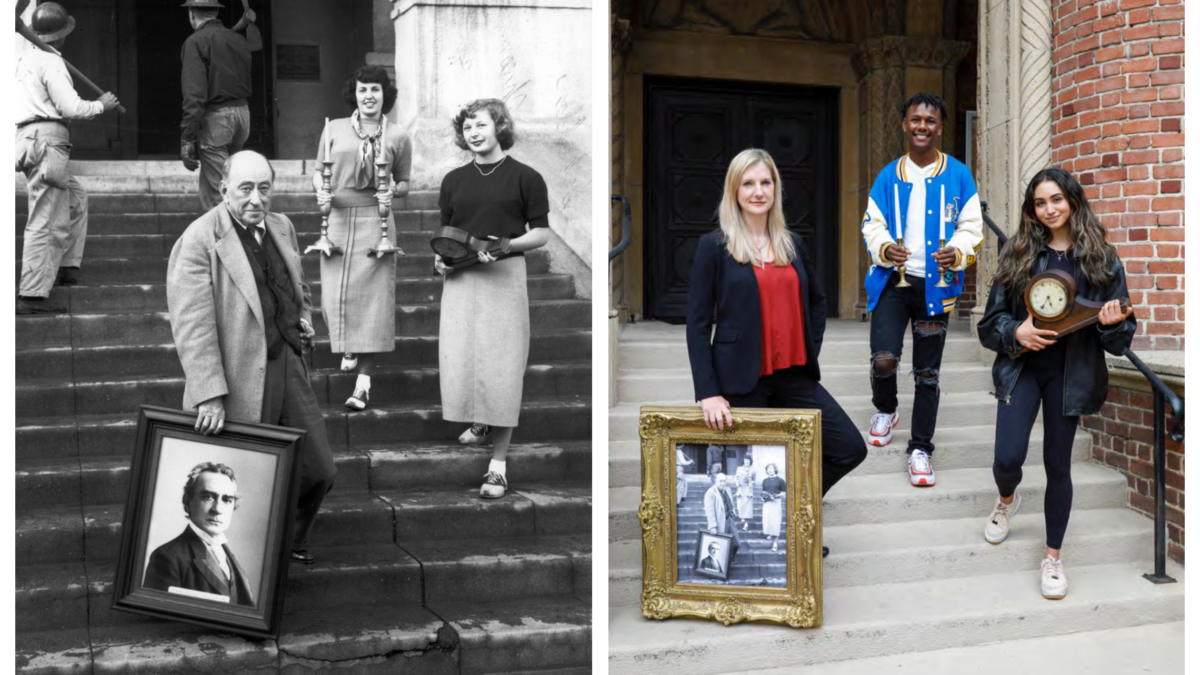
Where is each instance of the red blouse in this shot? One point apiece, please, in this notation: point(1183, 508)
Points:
point(782, 318)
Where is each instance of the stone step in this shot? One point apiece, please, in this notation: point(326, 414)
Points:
point(407, 573)
point(349, 517)
point(43, 397)
point(124, 328)
point(867, 621)
point(298, 201)
point(889, 498)
point(471, 638)
point(959, 447)
point(306, 223)
point(88, 298)
point(650, 386)
point(418, 263)
point(932, 549)
point(839, 349)
point(168, 183)
point(963, 409)
point(51, 482)
point(542, 420)
point(550, 346)
point(1160, 649)
point(172, 167)
point(413, 240)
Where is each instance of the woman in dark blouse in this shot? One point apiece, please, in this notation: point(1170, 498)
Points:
point(753, 280)
point(773, 492)
point(483, 338)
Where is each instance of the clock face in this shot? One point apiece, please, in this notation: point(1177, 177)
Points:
point(1048, 299)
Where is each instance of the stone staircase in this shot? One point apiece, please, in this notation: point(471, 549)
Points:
point(415, 572)
point(910, 584)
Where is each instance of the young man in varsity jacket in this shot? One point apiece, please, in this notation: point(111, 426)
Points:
point(910, 198)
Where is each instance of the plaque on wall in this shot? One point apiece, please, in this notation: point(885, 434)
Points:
point(298, 62)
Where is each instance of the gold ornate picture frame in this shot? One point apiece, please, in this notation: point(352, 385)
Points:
point(792, 435)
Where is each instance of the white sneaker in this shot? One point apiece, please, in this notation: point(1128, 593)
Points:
point(494, 485)
point(996, 529)
point(920, 469)
point(358, 400)
point(881, 428)
point(475, 435)
point(349, 362)
point(1054, 580)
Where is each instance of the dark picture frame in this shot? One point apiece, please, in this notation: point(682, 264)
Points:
point(272, 446)
point(726, 544)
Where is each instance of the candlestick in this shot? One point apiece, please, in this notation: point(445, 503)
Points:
point(324, 244)
point(385, 246)
point(941, 283)
point(903, 283)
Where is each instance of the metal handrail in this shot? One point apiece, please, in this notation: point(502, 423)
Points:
point(626, 228)
point(1001, 238)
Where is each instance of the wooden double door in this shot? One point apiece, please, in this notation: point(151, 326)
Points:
point(131, 48)
point(693, 130)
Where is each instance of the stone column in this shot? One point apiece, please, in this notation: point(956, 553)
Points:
point(535, 56)
point(1014, 116)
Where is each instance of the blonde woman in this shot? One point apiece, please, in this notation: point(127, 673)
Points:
point(757, 277)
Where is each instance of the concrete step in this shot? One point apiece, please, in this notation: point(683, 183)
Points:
point(1159, 651)
point(299, 199)
point(542, 633)
point(306, 222)
point(542, 420)
point(650, 386)
point(931, 549)
point(889, 498)
point(349, 517)
point(962, 409)
point(152, 270)
point(129, 360)
point(45, 397)
point(868, 621)
point(172, 167)
point(959, 447)
point(124, 328)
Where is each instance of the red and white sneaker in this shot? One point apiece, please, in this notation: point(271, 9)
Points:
point(920, 469)
point(881, 428)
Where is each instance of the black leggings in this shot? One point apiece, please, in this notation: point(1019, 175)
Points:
point(1040, 382)
point(842, 444)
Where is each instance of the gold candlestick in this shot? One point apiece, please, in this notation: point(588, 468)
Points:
point(385, 245)
point(942, 270)
point(324, 244)
point(903, 278)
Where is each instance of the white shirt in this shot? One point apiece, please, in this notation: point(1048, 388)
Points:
point(914, 224)
point(216, 545)
point(44, 90)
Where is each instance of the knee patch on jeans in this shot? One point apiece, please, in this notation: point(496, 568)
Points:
point(927, 377)
point(929, 328)
point(883, 364)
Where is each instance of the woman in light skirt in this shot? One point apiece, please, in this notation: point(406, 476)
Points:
point(681, 484)
point(483, 337)
point(745, 491)
point(358, 293)
point(773, 492)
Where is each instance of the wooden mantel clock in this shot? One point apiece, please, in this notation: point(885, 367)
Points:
point(1051, 298)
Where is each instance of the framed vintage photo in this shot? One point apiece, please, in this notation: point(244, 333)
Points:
point(731, 519)
point(207, 527)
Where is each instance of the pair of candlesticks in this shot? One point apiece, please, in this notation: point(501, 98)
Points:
point(903, 283)
point(325, 245)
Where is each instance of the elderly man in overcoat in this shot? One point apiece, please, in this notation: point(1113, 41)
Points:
point(719, 513)
point(240, 315)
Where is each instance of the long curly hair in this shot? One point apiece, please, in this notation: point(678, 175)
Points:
point(506, 130)
point(1092, 251)
point(370, 74)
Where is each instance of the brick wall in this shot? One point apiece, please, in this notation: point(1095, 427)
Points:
point(1122, 437)
point(1118, 127)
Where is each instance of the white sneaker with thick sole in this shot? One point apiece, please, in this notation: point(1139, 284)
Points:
point(996, 529)
point(1054, 580)
point(920, 469)
point(494, 485)
point(881, 428)
point(475, 435)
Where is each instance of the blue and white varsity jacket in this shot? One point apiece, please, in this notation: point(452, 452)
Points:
point(964, 226)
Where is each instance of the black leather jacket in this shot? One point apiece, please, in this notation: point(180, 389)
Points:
point(1085, 382)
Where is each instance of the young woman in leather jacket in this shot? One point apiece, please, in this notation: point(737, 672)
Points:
point(1064, 377)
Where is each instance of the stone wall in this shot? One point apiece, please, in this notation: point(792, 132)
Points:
point(1118, 127)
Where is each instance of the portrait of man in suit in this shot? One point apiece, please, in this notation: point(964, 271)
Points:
point(710, 561)
point(199, 562)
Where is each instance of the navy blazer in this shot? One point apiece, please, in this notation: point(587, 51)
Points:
point(725, 292)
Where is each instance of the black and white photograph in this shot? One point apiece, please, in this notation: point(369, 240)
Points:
point(228, 208)
point(731, 498)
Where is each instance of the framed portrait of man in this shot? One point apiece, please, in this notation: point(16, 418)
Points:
point(207, 523)
point(740, 541)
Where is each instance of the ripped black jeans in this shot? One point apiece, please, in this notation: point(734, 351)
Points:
point(895, 309)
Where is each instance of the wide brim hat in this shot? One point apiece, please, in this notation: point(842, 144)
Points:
point(203, 4)
point(57, 14)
